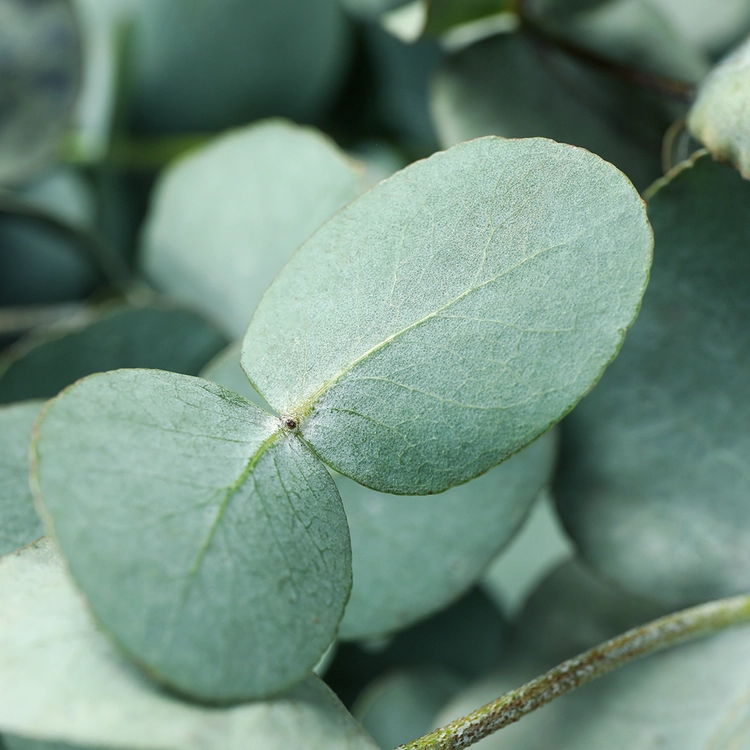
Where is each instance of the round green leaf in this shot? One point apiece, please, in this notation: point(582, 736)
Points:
point(413, 555)
point(155, 336)
point(572, 610)
point(19, 523)
point(203, 66)
point(720, 116)
point(655, 478)
point(226, 218)
point(544, 91)
point(209, 541)
point(452, 314)
point(442, 15)
point(61, 680)
point(40, 69)
point(39, 263)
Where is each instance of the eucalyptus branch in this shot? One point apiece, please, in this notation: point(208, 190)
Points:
point(658, 635)
point(676, 89)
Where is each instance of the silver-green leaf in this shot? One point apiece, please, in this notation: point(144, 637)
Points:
point(19, 523)
point(209, 541)
point(447, 318)
point(655, 476)
point(720, 116)
point(61, 680)
point(157, 335)
point(226, 218)
point(411, 556)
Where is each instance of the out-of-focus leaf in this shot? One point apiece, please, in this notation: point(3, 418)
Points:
point(40, 70)
point(19, 523)
point(655, 478)
point(413, 555)
point(443, 15)
point(371, 10)
point(720, 116)
point(226, 218)
point(210, 542)
point(47, 252)
point(713, 26)
point(447, 318)
point(542, 90)
point(203, 66)
point(538, 547)
point(156, 336)
point(572, 610)
point(402, 73)
point(22, 743)
point(402, 705)
point(61, 680)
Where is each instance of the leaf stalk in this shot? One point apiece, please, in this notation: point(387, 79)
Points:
point(680, 627)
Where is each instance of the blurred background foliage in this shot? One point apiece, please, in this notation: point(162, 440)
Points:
point(136, 232)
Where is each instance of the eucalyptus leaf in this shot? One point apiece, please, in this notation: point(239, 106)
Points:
point(655, 478)
point(573, 610)
point(40, 66)
point(200, 66)
point(412, 556)
point(157, 335)
point(451, 315)
point(720, 116)
point(713, 26)
point(557, 9)
point(692, 697)
point(545, 91)
point(39, 263)
point(61, 680)
point(209, 541)
point(19, 523)
point(443, 15)
point(225, 219)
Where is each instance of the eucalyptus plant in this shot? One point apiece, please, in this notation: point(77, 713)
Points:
point(282, 442)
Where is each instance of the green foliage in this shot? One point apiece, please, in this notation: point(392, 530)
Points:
point(429, 380)
point(339, 491)
point(661, 444)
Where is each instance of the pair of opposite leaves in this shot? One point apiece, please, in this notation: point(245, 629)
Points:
point(428, 331)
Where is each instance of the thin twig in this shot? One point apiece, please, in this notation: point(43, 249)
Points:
point(642, 641)
point(680, 90)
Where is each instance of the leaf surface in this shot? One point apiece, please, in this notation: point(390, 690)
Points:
point(226, 218)
point(413, 555)
point(655, 475)
point(209, 541)
point(109, 338)
point(443, 15)
point(19, 523)
point(61, 680)
point(720, 116)
point(444, 320)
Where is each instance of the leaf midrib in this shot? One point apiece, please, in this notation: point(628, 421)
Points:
point(306, 408)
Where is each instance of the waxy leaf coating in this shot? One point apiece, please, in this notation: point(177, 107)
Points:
point(655, 477)
point(61, 680)
point(451, 315)
point(209, 541)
